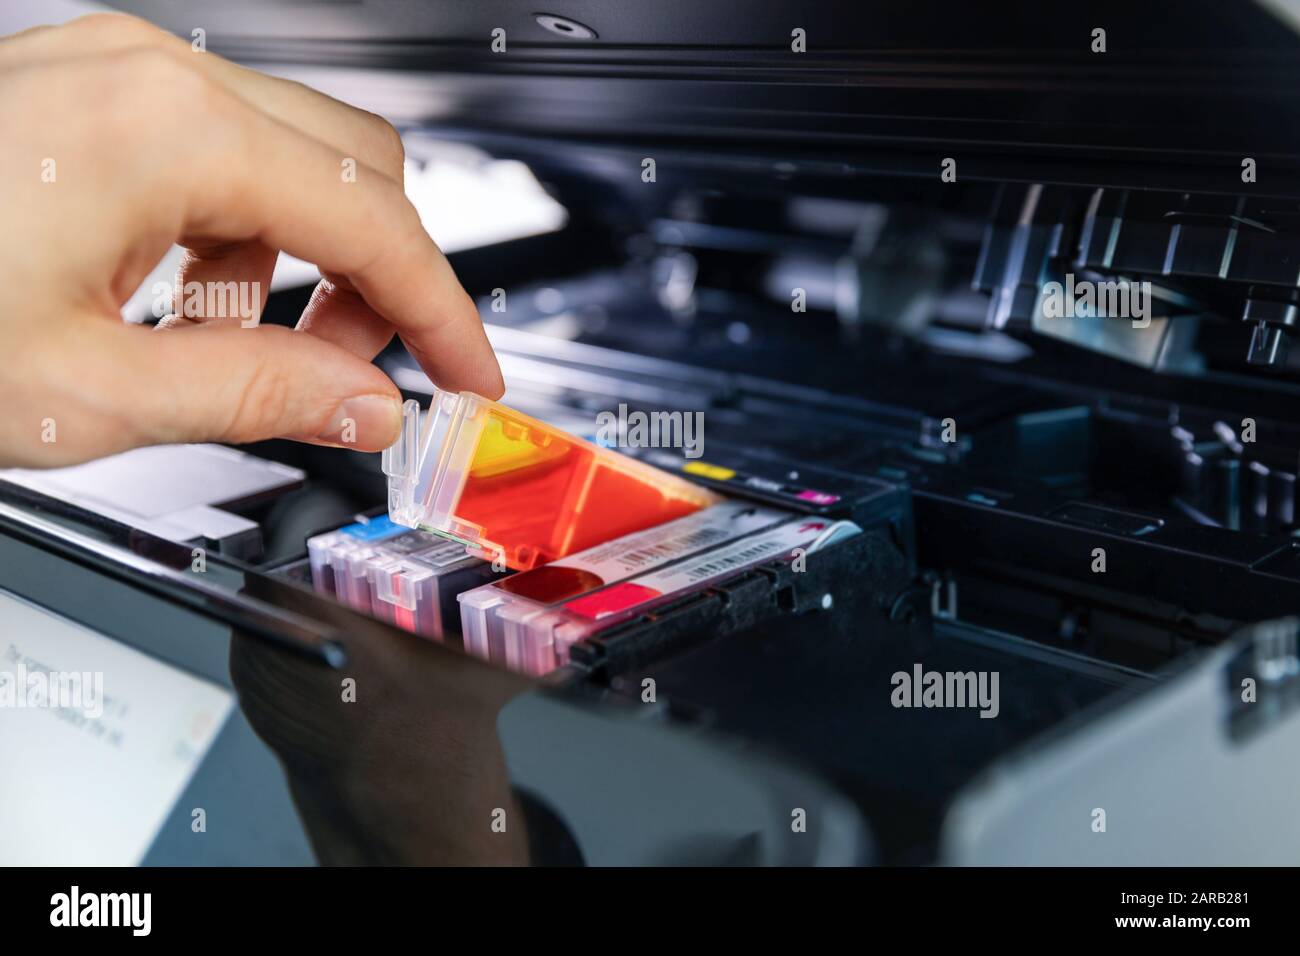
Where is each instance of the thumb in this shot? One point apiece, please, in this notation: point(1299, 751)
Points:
point(221, 382)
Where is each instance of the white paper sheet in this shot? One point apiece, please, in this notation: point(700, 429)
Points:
point(93, 791)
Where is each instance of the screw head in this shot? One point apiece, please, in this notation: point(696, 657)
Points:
point(563, 26)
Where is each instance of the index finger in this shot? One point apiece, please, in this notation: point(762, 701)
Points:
point(253, 176)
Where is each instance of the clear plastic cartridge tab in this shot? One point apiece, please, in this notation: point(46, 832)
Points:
point(508, 485)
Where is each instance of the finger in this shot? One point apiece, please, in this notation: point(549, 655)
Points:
point(223, 281)
point(365, 136)
point(12, 41)
point(338, 313)
point(220, 382)
point(275, 184)
point(176, 322)
point(249, 177)
point(357, 133)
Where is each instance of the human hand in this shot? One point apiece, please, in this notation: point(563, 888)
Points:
point(120, 140)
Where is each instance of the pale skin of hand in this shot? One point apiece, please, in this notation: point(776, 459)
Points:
point(152, 144)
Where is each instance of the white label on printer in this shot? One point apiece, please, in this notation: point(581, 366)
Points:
point(93, 789)
point(654, 547)
point(778, 542)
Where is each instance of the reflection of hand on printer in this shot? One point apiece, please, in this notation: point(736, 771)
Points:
point(394, 758)
point(120, 140)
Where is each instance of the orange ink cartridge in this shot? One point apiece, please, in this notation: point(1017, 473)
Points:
point(506, 485)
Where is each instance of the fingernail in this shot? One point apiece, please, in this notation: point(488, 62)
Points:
point(365, 422)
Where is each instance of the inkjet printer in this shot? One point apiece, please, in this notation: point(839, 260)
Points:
point(952, 343)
